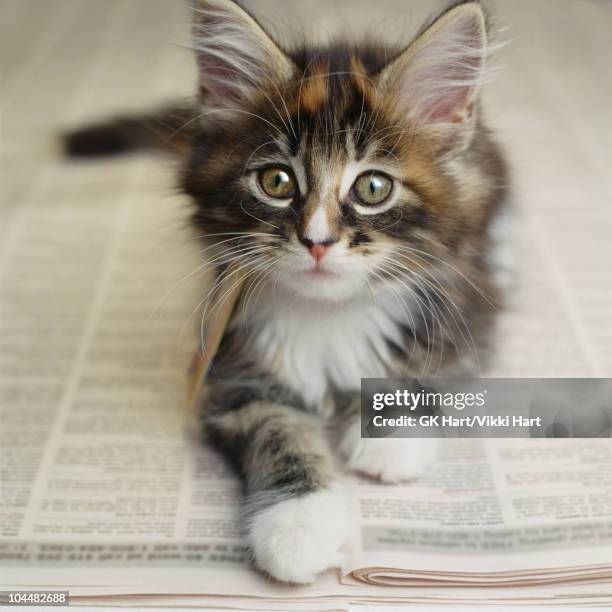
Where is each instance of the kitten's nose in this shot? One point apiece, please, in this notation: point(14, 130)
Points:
point(317, 250)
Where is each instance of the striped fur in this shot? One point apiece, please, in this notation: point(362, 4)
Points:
point(405, 286)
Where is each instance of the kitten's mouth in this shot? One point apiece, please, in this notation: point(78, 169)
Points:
point(320, 272)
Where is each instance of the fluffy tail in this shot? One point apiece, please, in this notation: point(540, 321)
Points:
point(169, 129)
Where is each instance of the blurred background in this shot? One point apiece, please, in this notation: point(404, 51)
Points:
point(90, 252)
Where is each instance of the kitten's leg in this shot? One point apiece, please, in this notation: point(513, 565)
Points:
point(390, 460)
point(294, 511)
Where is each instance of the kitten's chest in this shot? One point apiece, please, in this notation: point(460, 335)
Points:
point(313, 348)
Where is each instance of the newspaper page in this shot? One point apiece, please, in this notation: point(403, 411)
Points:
point(105, 486)
point(505, 512)
point(97, 468)
point(103, 469)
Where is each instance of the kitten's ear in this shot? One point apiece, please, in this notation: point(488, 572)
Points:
point(437, 78)
point(235, 55)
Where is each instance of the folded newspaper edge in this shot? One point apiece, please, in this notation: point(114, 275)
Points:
point(220, 310)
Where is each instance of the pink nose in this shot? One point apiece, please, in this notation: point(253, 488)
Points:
point(318, 251)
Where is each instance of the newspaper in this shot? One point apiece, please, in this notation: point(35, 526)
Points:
point(108, 491)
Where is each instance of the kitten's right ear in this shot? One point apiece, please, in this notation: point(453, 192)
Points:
point(236, 57)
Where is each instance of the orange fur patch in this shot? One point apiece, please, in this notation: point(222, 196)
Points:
point(314, 92)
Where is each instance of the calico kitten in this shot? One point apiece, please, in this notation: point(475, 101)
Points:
point(355, 185)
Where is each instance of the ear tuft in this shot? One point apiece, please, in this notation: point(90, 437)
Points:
point(236, 57)
point(437, 78)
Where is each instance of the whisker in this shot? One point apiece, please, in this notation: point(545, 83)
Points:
point(402, 304)
point(219, 260)
point(418, 303)
point(218, 244)
point(248, 161)
point(256, 218)
point(224, 110)
point(445, 297)
point(480, 292)
point(258, 280)
point(223, 277)
point(202, 236)
point(434, 311)
point(210, 293)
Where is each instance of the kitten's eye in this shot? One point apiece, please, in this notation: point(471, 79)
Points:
point(277, 183)
point(373, 188)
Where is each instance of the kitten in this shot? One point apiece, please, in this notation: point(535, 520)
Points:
point(356, 187)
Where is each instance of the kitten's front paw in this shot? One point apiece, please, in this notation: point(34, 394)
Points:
point(296, 539)
point(390, 460)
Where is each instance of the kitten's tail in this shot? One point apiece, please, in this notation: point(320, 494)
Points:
point(169, 129)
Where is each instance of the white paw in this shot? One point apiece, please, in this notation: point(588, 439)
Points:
point(296, 539)
point(388, 459)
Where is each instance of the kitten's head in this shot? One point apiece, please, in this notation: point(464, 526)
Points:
point(338, 170)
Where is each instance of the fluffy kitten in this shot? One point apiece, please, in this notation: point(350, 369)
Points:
point(356, 187)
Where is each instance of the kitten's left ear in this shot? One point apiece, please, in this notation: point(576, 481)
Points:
point(437, 78)
point(236, 57)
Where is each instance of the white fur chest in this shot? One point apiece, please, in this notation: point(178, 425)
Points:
point(312, 346)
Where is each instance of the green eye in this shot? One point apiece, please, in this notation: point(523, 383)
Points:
point(373, 188)
point(277, 183)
